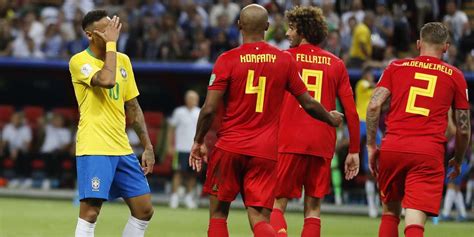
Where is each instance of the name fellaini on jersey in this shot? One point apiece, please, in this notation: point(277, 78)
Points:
point(432, 66)
point(305, 58)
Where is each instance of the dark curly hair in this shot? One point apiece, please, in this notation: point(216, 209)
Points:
point(309, 22)
point(93, 16)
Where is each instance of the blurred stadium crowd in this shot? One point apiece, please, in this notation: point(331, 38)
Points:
point(199, 30)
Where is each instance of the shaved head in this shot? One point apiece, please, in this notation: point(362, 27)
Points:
point(253, 19)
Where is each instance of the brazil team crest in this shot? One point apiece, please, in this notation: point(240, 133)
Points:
point(123, 72)
point(95, 182)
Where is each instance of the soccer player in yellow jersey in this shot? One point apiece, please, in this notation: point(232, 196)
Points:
point(105, 89)
point(363, 92)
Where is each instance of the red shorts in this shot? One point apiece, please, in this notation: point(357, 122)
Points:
point(296, 171)
point(230, 173)
point(414, 179)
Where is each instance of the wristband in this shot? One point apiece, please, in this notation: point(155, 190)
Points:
point(111, 47)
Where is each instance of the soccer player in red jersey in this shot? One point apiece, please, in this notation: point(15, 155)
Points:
point(306, 146)
point(251, 81)
point(409, 166)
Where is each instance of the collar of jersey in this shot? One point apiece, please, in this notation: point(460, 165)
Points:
point(89, 51)
point(429, 57)
point(253, 44)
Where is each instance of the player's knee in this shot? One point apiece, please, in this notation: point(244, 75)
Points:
point(90, 215)
point(146, 213)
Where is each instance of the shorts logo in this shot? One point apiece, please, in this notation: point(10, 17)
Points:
point(123, 72)
point(95, 184)
point(215, 188)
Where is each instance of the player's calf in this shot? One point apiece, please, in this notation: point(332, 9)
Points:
point(312, 213)
point(277, 218)
point(390, 219)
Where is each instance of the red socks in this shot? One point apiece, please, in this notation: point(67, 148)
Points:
point(217, 228)
point(263, 229)
point(389, 226)
point(414, 231)
point(311, 227)
point(278, 222)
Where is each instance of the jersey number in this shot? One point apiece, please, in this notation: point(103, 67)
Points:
point(259, 90)
point(317, 87)
point(114, 92)
point(415, 91)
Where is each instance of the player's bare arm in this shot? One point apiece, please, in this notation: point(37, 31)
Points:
point(206, 117)
point(352, 163)
point(317, 111)
point(379, 96)
point(134, 111)
point(106, 76)
point(463, 135)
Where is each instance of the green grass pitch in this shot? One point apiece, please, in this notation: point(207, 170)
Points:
point(38, 218)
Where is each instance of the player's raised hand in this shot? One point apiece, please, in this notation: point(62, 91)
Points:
point(456, 168)
point(351, 166)
point(197, 156)
point(112, 30)
point(148, 161)
point(373, 160)
point(337, 118)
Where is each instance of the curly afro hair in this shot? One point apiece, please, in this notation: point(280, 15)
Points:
point(309, 22)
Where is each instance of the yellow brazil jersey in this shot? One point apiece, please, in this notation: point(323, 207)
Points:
point(363, 92)
point(101, 129)
point(360, 36)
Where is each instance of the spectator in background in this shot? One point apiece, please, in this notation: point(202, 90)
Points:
point(333, 43)
point(469, 64)
point(356, 11)
point(171, 39)
point(151, 45)
point(78, 43)
point(279, 39)
point(401, 30)
point(200, 49)
point(363, 92)
point(224, 7)
point(383, 24)
point(24, 46)
point(6, 38)
point(466, 43)
point(153, 7)
point(451, 56)
point(346, 38)
point(53, 44)
point(332, 19)
point(361, 47)
point(182, 129)
point(70, 7)
point(16, 144)
point(6, 12)
point(426, 9)
point(193, 16)
point(55, 147)
point(456, 21)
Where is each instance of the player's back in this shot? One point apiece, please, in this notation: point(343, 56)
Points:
point(423, 89)
point(255, 77)
point(326, 78)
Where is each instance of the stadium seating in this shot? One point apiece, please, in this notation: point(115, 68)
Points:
point(32, 113)
point(70, 114)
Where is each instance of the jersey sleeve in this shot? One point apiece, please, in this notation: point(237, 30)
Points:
point(344, 92)
point(81, 71)
point(343, 86)
point(220, 75)
point(461, 95)
point(131, 90)
point(295, 84)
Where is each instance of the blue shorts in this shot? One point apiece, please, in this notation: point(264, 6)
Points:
point(110, 177)
point(458, 180)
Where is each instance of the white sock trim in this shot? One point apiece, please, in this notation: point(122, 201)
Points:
point(140, 224)
point(84, 228)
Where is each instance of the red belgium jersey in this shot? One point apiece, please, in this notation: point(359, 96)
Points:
point(422, 90)
point(255, 77)
point(326, 78)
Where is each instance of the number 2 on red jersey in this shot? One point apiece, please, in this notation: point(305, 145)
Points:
point(417, 91)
